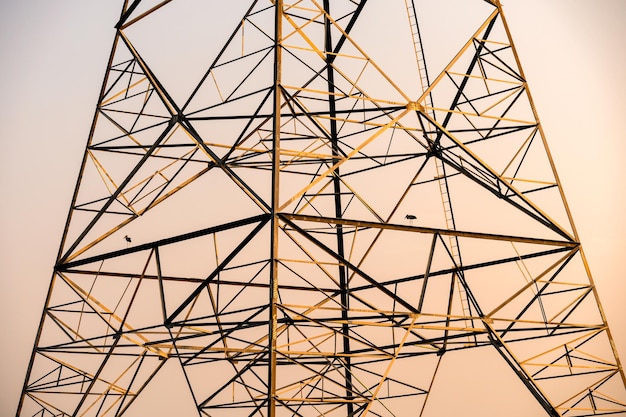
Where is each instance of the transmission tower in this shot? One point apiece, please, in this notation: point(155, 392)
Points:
point(271, 220)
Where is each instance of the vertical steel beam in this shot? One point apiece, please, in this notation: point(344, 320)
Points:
point(336, 178)
point(273, 287)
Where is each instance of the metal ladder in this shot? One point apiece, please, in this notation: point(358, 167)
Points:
point(419, 48)
point(441, 177)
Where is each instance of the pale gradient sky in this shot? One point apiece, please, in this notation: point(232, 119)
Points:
point(53, 60)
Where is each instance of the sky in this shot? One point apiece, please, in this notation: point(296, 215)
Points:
point(53, 60)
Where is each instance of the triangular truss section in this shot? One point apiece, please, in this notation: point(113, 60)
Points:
point(291, 225)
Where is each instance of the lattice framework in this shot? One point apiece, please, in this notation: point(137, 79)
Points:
point(303, 233)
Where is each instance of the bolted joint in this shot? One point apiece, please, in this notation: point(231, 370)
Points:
point(414, 105)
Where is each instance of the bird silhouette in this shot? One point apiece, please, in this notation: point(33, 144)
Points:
point(127, 238)
point(410, 217)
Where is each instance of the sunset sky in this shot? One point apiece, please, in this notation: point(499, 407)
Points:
point(53, 60)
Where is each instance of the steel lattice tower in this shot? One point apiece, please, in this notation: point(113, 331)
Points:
point(297, 228)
